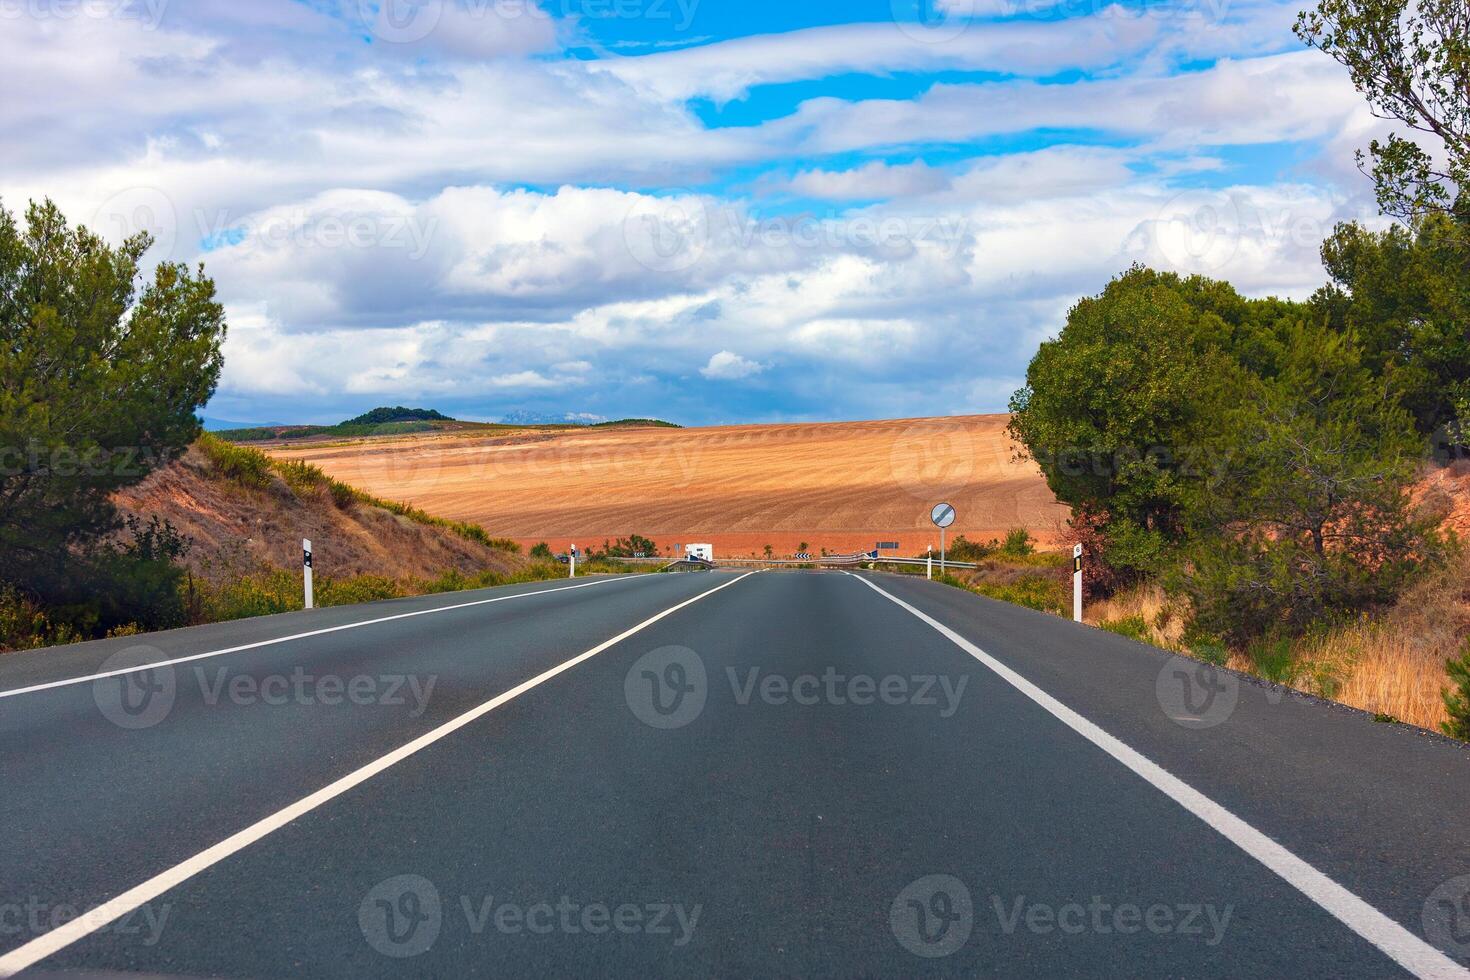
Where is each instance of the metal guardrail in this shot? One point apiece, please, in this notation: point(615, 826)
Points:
point(835, 561)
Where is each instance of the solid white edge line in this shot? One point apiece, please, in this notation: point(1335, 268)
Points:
point(67, 682)
point(89, 922)
point(1405, 948)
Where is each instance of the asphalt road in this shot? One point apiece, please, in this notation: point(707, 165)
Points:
point(808, 774)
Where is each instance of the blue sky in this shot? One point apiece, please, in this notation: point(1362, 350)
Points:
point(702, 210)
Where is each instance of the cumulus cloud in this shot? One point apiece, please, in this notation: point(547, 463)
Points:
point(728, 366)
point(459, 215)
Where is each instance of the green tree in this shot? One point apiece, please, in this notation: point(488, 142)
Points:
point(99, 382)
point(1405, 294)
point(1457, 695)
point(1118, 407)
point(1411, 60)
point(1313, 519)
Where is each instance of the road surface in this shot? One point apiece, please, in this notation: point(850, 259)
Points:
point(796, 774)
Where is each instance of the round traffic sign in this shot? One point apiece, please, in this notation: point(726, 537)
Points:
point(942, 515)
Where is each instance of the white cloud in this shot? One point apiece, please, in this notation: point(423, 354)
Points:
point(728, 366)
point(876, 180)
point(445, 217)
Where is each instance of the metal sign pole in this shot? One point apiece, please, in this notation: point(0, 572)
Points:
point(943, 516)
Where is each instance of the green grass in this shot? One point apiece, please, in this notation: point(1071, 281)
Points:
point(1133, 627)
point(1039, 592)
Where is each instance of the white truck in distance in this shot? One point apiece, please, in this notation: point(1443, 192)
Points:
point(705, 551)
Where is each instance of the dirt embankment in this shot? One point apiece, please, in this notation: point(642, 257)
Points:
point(234, 529)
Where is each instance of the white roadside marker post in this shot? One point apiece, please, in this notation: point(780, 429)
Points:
point(1077, 584)
point(306, 569)
point(572, 561)
point(929, 564)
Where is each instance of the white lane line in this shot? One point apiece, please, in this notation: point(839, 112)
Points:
point(1407, 949)
point(299, 636)
point(89, 922)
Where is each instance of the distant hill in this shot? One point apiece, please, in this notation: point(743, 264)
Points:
point(217, 425)
point(380, 416)
point(638, 423)
point(405, 421)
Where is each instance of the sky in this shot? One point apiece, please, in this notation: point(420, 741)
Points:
point(709, 211)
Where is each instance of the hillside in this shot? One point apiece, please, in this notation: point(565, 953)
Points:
point(406, 421)
point(245, 520)
point(840, 486)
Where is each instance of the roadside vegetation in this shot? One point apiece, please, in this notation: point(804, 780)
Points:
point(1242, 472)
point(253, 468)
point(102, 373)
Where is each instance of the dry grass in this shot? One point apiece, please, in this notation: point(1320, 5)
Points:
point(1396, 666)
point(1392, 665)
point(1160, 616)
point(1383, 670)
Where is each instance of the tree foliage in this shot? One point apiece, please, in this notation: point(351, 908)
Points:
point(99, 382)
point(1244, 450)
point(1120, 408)
point(1312, 519)
point(1405, 294)
point(1411, 60)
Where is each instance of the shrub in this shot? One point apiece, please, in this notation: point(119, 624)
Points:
point(1018, 543)
point(963, 549)
point(1457, 698)
point(1273, 659)
point(247, 467)
point(541, 550)
point(25, 626)
point(1038, 592)
point(360, 588)
point(301, 476)
point(246, 596)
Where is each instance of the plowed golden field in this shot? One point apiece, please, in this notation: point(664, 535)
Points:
point(841, 486)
